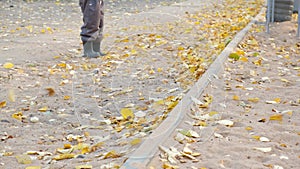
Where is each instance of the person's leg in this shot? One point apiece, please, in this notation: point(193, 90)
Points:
point(97, 42)
point(90, 27)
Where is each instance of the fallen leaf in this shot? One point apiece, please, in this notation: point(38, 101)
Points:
point(227, 123)
point(84, 167)
point(51, 91)
point(135, 141)
point(234, 56)
point(235, 97)
point(189, 133)
point(18, 116)
point(271, 102)
point(63, 156)
point(8, 65)
point(169, 166)
point(111, 154)
point(248, 128)
point(127, 114)
point(11, 95)
point(187, 150)
point(34, 167)
point(180, 137)
point(277, 117)
point(43, 109)
point(254, 100)
point(217, 135)
point(264, 139)
point(2, 104)
point(67, 97)
point(265, 150)
point(24, 159)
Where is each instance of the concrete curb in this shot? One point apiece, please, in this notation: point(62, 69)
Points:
point(146, 151)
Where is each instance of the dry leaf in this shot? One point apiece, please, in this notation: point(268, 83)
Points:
point(227, 123)
point(67, 97)
point(135, 141)
point(34, 167)
point(18, 116)
point(169, 166)
point(265, 150)
point(84, 167)
point(8, 65)
point(24, 159)
point(179, 137)
point(127, 114)
point(2, 104)
point(11, 95)
point(248, 128)
point(63, 156)
point(189, 133)
point(51, 91)
point(111, 154)
point(235, 97)
point(264, 139)
point(43, 109)
point(277, 117)
point(254, 100)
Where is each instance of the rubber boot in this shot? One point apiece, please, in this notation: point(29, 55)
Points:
point(97, 47)
point(88, 50)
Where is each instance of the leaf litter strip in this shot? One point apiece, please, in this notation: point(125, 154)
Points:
point(145, 152)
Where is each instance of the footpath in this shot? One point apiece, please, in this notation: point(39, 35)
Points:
point(59, 110)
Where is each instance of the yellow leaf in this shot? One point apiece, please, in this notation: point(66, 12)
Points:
point(135, 141)
point(254, 100)
point(85, 150)
point(8, 65)
point(285, 80)
point(244, 59)
point(2, 104)
point(111, 154)
point(180, 48)
point(67, 97)
point(257, 62)
point(43, 30)
point(11, 95)
point(240, 52)
point(96, 146)
point(159, 69)
point(127, 113)
point(256, 137)
point(17, 116)
point(212, 113)
point(169, 166)
point(43, 109)
point(51, 91)
point(84, 167)
point(34, 167)
point(62, 65)
point(248, 128)
point(63, 156)
point(277, 117)
point(67, 146)
point(235, 97)
point(277, 100)
point(24, 159)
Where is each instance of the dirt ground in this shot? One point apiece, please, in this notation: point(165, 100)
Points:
point(249, 115)
point(58, 110)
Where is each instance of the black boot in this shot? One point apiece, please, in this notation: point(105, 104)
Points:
point(88, 50)
point(97, 47)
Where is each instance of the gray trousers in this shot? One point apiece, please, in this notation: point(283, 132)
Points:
point(93, 16)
